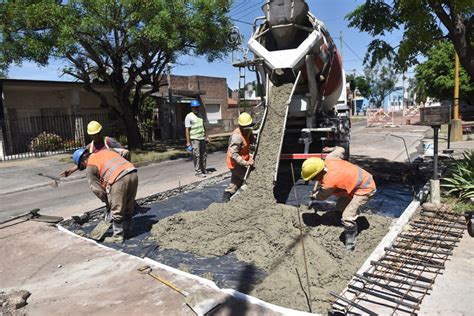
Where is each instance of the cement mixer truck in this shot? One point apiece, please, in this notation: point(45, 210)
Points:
point(290, 45)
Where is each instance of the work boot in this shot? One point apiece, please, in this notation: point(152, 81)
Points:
point(117, 237)
point(127, 227)
point(226, 196)
point(350, 234)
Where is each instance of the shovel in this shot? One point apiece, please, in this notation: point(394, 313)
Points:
point(200, 302)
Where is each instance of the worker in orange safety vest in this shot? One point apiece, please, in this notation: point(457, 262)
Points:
point(114, 180)
point(238, 154)
point(334, 176)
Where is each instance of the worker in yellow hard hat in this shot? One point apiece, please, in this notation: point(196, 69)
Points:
point(238, 154)
point(351, 184)
point(98, 143)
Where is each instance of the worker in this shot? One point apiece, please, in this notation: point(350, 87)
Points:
point(197, 138)
point(334, 176)
point(99, 142)
point(114, 180)
point(238, 154)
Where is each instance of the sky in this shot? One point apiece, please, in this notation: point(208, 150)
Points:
point(331, 12)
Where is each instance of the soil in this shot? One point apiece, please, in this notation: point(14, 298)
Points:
point(261, 232)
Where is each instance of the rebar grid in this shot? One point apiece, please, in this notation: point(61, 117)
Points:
point(404, 275)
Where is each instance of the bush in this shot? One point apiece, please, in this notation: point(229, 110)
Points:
point(461, 177)
point(46, 142)
point(122, 139)
point(71, 144)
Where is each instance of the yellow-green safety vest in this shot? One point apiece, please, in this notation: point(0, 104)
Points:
point(197, 130)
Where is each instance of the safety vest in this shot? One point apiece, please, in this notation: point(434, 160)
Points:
point(197, 130)
point(244, 151)
point(343, 175)
point(110, 165)
point(92, 149)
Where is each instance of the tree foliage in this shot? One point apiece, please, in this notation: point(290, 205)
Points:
point(436, 74)
point(377, 83)
point(423, 23)
point(362, 85)
point(123, 44)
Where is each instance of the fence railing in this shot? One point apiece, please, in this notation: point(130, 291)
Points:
point(39, 136)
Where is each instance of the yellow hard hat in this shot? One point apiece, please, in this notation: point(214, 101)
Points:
point(245, 119)
point(93, 128)
point(311, 167)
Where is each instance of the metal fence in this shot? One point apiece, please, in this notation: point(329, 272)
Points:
point(38, 136)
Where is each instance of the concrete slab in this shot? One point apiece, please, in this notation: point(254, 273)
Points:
point(453, 292)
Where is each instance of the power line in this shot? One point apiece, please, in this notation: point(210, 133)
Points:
point(247, 10)
point(353, 52)
point(235, 20)
point(239, 5)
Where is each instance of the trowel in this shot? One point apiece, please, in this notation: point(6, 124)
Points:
point(35, 216)
point(101, 229)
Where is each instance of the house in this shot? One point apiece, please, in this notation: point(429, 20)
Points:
point(29, 108)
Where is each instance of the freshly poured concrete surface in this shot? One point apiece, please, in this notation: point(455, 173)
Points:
point(453, 292)
point(31, 252)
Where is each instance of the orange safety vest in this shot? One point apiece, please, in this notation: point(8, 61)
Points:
point(343, 175)
point(244, 151)
point(110, 165)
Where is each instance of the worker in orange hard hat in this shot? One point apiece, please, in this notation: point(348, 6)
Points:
point(334, 176)
point(238, 154)
point(98, 143)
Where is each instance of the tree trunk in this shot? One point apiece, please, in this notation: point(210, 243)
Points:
point(131, 125)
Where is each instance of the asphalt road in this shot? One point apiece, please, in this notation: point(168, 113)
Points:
point(76, 196)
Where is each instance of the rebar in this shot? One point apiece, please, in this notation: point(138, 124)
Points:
point(404, 269)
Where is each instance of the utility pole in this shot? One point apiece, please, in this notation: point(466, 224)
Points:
point(340, 44)
point(456, 123)
point(354, 104)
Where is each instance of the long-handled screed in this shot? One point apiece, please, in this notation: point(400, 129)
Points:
point(301, 237)
point(201, 302)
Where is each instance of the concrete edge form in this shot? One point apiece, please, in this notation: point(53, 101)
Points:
point(391, 235)
point(387, 240)
point(273, 307)
point(202, 281)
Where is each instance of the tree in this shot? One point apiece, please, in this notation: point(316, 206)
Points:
point(419, 21)
point(436, 74)
point(123, 44)
point(361, 83)
point(380, 82)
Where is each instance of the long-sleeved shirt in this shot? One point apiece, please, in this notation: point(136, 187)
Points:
point(235, 145)
point(93, 177)
point(321, 193)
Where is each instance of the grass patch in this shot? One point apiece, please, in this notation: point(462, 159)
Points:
point(458, 206)
point(358, 119)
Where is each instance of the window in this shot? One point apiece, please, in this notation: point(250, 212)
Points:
point(213, 113)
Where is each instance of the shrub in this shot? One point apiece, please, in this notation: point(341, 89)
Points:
point(46, 142)
point(122, 139)
point(461, 177)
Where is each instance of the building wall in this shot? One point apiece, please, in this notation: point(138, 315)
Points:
point(36, 98)
point(215, 97)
